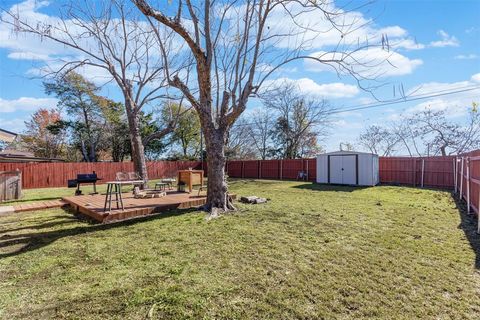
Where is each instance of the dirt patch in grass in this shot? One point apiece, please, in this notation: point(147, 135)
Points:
point(311, 252)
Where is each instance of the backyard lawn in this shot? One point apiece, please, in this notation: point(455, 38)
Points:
point(311, 252)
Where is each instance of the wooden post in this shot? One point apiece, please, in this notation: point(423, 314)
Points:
point(478, 210)
point(307, 172)
point(461, 179)
point(423, 171)
point(281, 169)
point(455, 174)
point(468, 185)
point(243, 169)
point(414, 172)
point(20, 182)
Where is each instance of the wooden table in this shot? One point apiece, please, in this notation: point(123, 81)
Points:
point(117, 186)
point(190, 178)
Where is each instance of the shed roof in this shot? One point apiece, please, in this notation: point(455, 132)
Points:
point(340, 152)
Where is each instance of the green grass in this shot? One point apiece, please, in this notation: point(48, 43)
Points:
point(311, 252)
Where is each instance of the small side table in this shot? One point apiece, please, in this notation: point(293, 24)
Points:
point(169, 182)
point(162, 186)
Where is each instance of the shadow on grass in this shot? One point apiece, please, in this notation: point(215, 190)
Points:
point(43, 225)
point(329, 187)
point(468, 223)
point(13, 202)
point(37, 240)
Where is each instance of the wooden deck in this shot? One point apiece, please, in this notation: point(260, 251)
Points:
point(92, 205)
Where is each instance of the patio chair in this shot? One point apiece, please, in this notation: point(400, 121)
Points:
point(134, 176)
point(121, 176)
point(302, 175)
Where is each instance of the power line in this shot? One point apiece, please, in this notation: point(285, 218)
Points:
point(402, 100)
point(395, 101)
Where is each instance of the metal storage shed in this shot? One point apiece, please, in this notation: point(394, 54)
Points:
point(348, 167)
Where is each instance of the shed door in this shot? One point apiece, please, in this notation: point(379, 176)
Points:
point(349, 165)
point(343, 169)
point(336, 169)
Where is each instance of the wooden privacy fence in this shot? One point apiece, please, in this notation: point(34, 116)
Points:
point(272, 169)
point(48, 175)
point(428, 172)
point(467, 181)
point(435, 172)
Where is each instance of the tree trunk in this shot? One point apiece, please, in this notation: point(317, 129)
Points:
point(138, 151)
point(218, 200)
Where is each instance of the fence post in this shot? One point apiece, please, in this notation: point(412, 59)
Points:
point(308, 176)
point(478, 211)
point(468, 185)
point(423, 171)
point(414, 172)
point(455, 177)
point(461, 179)
point(20, 184)
point(259, 169)
point(243, 169)
point(281, 169)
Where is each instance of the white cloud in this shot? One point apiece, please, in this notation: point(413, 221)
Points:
point(312, 29)
point(28, 56)
point(346, 123)
point(476, 77)
point(310, 87)
point(53, 55)
point(26, 104)
point(369, 63)
point(454, 105)
point(408, 44)
point(470, 56)
point(446, 40)
point(15, 125)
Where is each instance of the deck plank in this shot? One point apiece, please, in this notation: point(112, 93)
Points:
point(92, 205)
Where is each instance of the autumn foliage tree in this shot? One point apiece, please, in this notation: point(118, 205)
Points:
point(40, 139)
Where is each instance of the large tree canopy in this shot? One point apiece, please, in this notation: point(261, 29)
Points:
point(235, 47)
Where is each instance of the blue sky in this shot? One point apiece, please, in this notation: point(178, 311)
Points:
point(436, 47)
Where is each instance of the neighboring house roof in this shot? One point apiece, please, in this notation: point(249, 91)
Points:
point(21, 156)
point(7, 136)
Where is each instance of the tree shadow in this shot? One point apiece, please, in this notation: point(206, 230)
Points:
point(468, 223)
point(43, 225)
point(329, 187)
point(19, 201)
point(24, 242)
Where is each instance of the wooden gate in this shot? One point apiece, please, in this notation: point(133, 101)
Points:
point(10, 185)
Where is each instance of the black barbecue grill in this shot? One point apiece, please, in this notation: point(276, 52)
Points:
point(85, 178)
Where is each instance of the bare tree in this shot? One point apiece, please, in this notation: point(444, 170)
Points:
point(229, 41)
point(109, 37)
point(378, 140)
point(443, 137)
point(347, 146)
point(260, 130)
point(239, 141)
point(406, 136)
point(299, 119)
